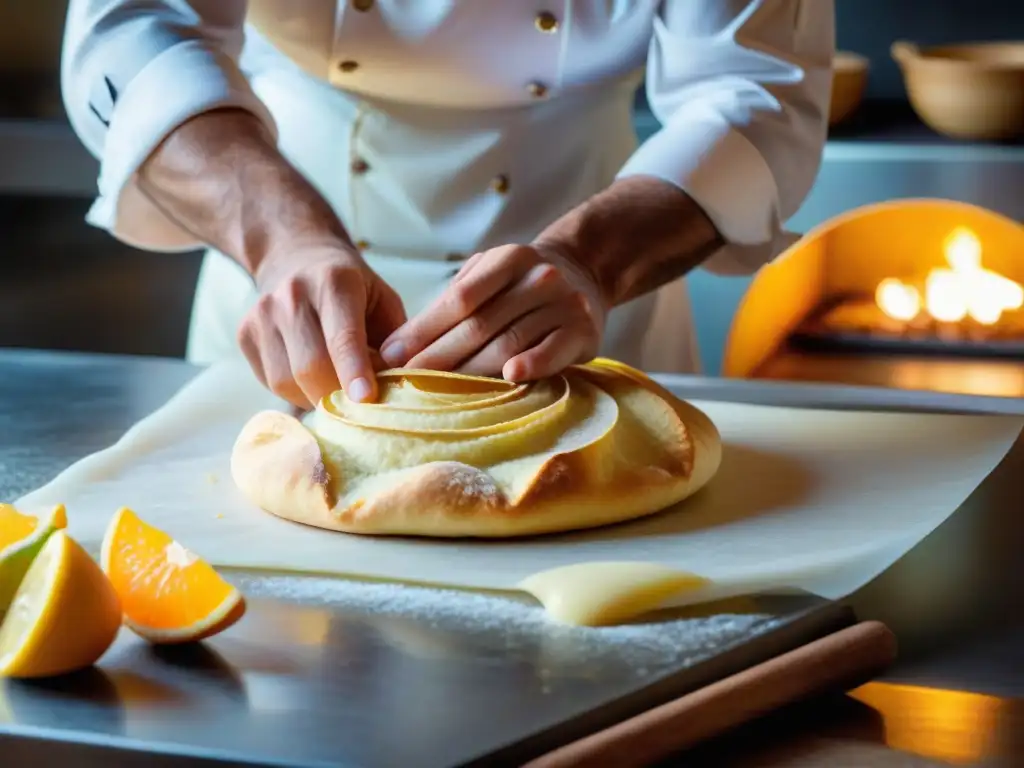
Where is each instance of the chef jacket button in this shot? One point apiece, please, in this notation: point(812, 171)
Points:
point(500, 184)
point(546, 22)
point(536, 89)
point(348, 66)
point(455, 257)
point(362, 5)
point(359, 166)
point(362, 245)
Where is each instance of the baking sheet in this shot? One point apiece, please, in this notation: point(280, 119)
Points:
point(815, 500)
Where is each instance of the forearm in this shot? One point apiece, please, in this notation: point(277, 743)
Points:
point(637, 235)
point(220, 177)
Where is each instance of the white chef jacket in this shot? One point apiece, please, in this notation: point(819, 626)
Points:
point(438, 128)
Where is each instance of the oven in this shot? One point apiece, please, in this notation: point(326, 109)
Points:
point(918, 294)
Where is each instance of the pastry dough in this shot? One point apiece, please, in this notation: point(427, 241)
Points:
point(447, 455)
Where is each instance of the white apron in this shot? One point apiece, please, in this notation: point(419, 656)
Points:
point(421, 188)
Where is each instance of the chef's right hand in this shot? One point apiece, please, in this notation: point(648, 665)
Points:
point(321, 311)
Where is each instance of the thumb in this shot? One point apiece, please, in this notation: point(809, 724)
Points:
point(342, 318)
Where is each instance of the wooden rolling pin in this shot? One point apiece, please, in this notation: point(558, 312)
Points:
point(839, 661)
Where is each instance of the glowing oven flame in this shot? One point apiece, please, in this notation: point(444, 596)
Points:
point(963, 290)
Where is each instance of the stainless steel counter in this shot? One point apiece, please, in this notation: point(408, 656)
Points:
point(390, 691)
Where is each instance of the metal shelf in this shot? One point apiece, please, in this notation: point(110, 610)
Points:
point(887, 130)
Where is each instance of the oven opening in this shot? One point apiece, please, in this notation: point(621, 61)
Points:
point(914, 294)
point(959, 308)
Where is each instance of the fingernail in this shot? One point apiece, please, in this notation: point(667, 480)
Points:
point(393, 353)
point(359, 390)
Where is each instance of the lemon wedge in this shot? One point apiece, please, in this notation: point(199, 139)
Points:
point(14, 526)
point(64, 615)
point(21, 538)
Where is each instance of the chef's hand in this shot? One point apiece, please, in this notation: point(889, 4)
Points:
point(312, 330)
point(519, 311)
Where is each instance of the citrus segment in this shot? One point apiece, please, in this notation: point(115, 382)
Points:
point(21, 538)
point(14, 526)
point(64, 616)
point(168, 594)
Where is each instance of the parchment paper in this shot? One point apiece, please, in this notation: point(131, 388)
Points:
point(815, 500)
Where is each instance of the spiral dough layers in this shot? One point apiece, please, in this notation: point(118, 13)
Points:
point(447, 455)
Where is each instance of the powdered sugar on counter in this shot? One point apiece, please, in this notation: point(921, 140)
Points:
point(522, 626)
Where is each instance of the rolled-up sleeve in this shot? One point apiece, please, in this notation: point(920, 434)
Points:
point(741, 89)
point(133, 72)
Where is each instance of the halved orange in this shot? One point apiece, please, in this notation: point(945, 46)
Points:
point(168, 594)
point(64, 616)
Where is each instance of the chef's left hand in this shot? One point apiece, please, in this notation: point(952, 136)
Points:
point(519, 311)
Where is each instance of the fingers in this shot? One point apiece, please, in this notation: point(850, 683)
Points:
point(309, 363)
point(516, 338)
point(468, 265)
point(507, 313)
point(385, 316)
point(278, 370)
point(265, 350)
point(342, 311)
point(556, 352)
point(249, 344)
point(284, 345)
point(307, 337)
point(576, 340)
point(538, 287)
point(478, 282)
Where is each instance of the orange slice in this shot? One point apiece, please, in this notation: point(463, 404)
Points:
point(21, 538)
point(168, 594)
point(64, 616)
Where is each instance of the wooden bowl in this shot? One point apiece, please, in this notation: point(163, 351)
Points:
point(849, 79)
point(968, 91)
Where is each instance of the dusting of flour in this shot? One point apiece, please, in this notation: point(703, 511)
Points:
point(520, 626)
point(468, 483)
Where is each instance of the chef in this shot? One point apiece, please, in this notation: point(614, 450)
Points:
point(452, 184)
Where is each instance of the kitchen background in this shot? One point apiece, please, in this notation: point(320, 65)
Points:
point(65, 285)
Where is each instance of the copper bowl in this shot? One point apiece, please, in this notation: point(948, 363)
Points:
point(967, 91)
point(849, 80)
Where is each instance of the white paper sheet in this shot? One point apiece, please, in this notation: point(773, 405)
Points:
point(815, 500)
